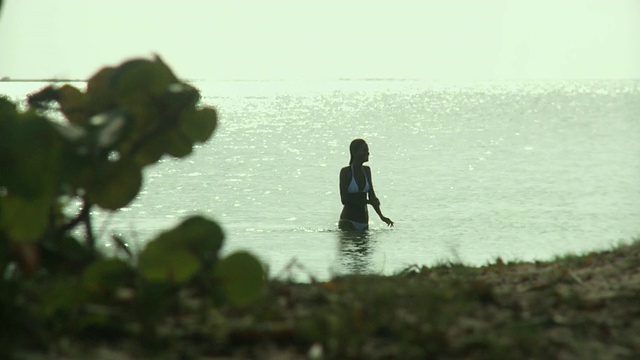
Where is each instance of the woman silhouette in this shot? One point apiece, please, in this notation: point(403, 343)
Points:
point(355, 187)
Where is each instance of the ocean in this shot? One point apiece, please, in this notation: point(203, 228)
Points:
point(469, 172)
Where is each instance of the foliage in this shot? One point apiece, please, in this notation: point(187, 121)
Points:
point(90, 147)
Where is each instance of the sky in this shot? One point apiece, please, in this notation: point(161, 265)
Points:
point(326, 39)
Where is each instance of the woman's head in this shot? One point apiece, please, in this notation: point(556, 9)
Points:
point(359, 151)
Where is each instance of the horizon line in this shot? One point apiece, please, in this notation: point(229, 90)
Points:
point(55, 80)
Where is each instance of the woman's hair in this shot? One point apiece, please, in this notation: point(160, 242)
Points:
point(355, 145)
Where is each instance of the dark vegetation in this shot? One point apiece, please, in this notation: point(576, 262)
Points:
point(72, 150)
point(577, 307)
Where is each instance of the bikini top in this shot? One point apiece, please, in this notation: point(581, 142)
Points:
point(353, 185)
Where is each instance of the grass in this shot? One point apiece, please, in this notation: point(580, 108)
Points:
point(574, 307)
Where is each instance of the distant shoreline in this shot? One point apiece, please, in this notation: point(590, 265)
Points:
point(43, 80)
point(55, 80)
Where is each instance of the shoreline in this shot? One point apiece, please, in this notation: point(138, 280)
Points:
point(574, 307)
point(42, 80)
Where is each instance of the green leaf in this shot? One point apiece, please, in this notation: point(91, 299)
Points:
point(61, 298)
point(241, 278)
point(30, 153)
point(24, 219)
point(137, 81)
point(43, 97)
point(176, 255)
point(73, 104)
point(7, 108)
point(201, 235)
point(105, 276)
point(179, 146)
point(99, 90)
point(199, 125)
point(115, 184)
point(177, 97)
point(151, 151)
point(164, 260)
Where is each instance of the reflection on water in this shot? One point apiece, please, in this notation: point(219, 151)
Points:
point(356, 251)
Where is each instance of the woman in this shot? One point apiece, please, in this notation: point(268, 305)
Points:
point(356, 190)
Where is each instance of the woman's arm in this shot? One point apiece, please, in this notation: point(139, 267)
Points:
point(374, 201)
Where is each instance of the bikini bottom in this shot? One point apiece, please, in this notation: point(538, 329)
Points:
point(345, 224)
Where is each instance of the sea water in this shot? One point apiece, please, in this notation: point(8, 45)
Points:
point(469, 172)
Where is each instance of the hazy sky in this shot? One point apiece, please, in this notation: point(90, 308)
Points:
point(304, 39)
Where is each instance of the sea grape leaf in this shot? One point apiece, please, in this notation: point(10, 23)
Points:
point(164, 260)
point(42, 98)
point(30, 155)
point(178, 144)
point(241, 278)
point(7, 108)
point(178, 97)
point(198, 125)
point(62, 296)
point(137, 81)
point(176, 255)
point(24, 219)
point(115, 184)
point(151, 151)
point(73, 104)
point(105, 276)
point(201, 235)
point(99, 90)
point(29, 158)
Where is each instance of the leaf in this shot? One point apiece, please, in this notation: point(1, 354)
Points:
point(151, 151)
point(7, 108)
point(201, 235)
point(241, 278)
point(177, 97)
point(105, 276)
point(164, 260)
point(179, 145)
point(176, 255)
point(137, 81)
point(73, 104)
point(30, 154)
point(115, 184)
point(99, 90)
point(42, 98)
point(199, 125)
point(24, 219)
point(62, 297)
